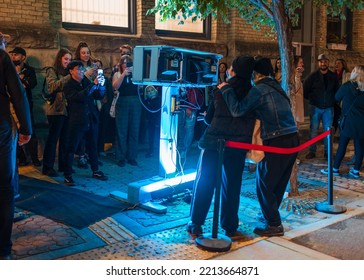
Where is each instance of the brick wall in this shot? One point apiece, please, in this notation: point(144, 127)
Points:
point(36, 25)
point(358, 31)
point(24, 12)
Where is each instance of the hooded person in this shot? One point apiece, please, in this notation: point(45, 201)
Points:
point(222, 125)
point(271, 105)
point(243, 66)
point(264, 67)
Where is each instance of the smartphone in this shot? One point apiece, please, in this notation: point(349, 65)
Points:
point(129, 64)
point(100, 72)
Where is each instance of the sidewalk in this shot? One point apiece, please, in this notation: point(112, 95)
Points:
point(306, 237)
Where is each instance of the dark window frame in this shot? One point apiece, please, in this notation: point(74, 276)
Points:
point(348, 29)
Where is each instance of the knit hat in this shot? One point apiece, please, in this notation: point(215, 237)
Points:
point(243, 66)
point(263, 66)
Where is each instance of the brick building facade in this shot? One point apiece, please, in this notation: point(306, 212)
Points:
point(36, 25)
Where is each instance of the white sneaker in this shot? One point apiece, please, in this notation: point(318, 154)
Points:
point(354, 173)
point(335, 172)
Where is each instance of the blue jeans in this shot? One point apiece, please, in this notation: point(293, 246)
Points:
point(8, 181)
point(316, 116)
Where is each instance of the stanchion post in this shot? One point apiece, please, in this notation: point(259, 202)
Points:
point(328, 206)
point(330, 178)
point(216, 242)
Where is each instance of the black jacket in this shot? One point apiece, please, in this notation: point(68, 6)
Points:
point(11, 90)
point(29, 80)
point(315, 91)
point(354, 123)
point(81, 101)
point(222, 125)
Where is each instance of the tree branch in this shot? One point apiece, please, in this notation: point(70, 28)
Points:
point(263, 6)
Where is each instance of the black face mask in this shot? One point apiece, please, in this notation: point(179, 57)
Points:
point(17, 62)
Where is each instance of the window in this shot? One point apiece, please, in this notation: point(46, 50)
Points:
point(338, 30)
point(199, 29)
point(95, 15)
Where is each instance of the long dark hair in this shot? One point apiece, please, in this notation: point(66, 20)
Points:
point(241, 86)
point(275, 65)
point(58, 61)
point(78, 52)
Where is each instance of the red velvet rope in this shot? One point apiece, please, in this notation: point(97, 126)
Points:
point(276, 150)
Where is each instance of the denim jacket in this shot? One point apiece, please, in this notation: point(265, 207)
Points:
point(269, 102)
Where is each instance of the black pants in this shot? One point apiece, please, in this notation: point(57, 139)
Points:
point(205, 184)
point(8, 181)
point(273, 174)
point(57, 133)
point(75, 134)
point(341, 150)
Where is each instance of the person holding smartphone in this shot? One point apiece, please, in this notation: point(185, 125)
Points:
point(83, 118)
point(127, 113)
point(83, 53)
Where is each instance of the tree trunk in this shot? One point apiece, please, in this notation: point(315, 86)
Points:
point(285, 35)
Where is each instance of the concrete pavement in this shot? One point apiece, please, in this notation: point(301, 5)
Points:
point(37, 237)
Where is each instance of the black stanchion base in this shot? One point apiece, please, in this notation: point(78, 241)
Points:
point(331, 209)
point(220, 244)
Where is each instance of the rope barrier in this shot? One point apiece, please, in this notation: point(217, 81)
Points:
point(276, 150)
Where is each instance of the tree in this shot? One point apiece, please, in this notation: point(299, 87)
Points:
point(278, 14)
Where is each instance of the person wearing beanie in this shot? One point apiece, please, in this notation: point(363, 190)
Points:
point(263, 66)
point(222, 125)
point(243, 66)
point(278, 128)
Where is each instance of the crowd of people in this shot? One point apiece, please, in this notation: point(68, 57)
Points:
point(85, 109)
point(83, 115)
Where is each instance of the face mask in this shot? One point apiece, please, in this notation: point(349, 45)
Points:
point(17, 62)
point(228, 75)
point(252, 79)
